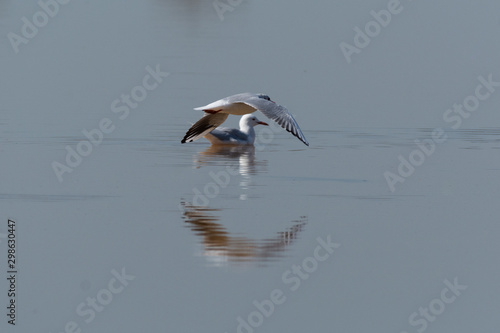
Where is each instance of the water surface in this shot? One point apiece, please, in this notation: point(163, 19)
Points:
point(205, 233)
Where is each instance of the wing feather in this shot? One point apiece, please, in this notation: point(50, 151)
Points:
point(279, 114)
point(203, 126)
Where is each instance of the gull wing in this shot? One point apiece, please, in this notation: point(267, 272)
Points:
point(278, 113)
point(226, 101)
point(203, 126)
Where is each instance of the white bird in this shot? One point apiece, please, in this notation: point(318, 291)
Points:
point(217, 112)
point(232, 136)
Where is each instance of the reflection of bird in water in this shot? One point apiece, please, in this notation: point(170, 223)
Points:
point(222, 247)
point(227, 151)
point(244, 154)
point(217, 112)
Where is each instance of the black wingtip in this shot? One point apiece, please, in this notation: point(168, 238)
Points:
point(185, 138)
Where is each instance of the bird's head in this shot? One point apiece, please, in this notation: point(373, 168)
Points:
point(251, 120)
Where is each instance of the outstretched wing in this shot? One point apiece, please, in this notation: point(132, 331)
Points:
point(279, 114)
point(226, 101)
point(203, 126)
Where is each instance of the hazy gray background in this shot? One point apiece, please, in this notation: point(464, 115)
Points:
point(129, 204)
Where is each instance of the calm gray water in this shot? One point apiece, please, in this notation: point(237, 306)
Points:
point(386, 223)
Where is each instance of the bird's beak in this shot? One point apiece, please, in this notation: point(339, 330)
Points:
point(263, 123)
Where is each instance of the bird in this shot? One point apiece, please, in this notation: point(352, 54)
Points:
point(240, 104)
point(232, 136)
